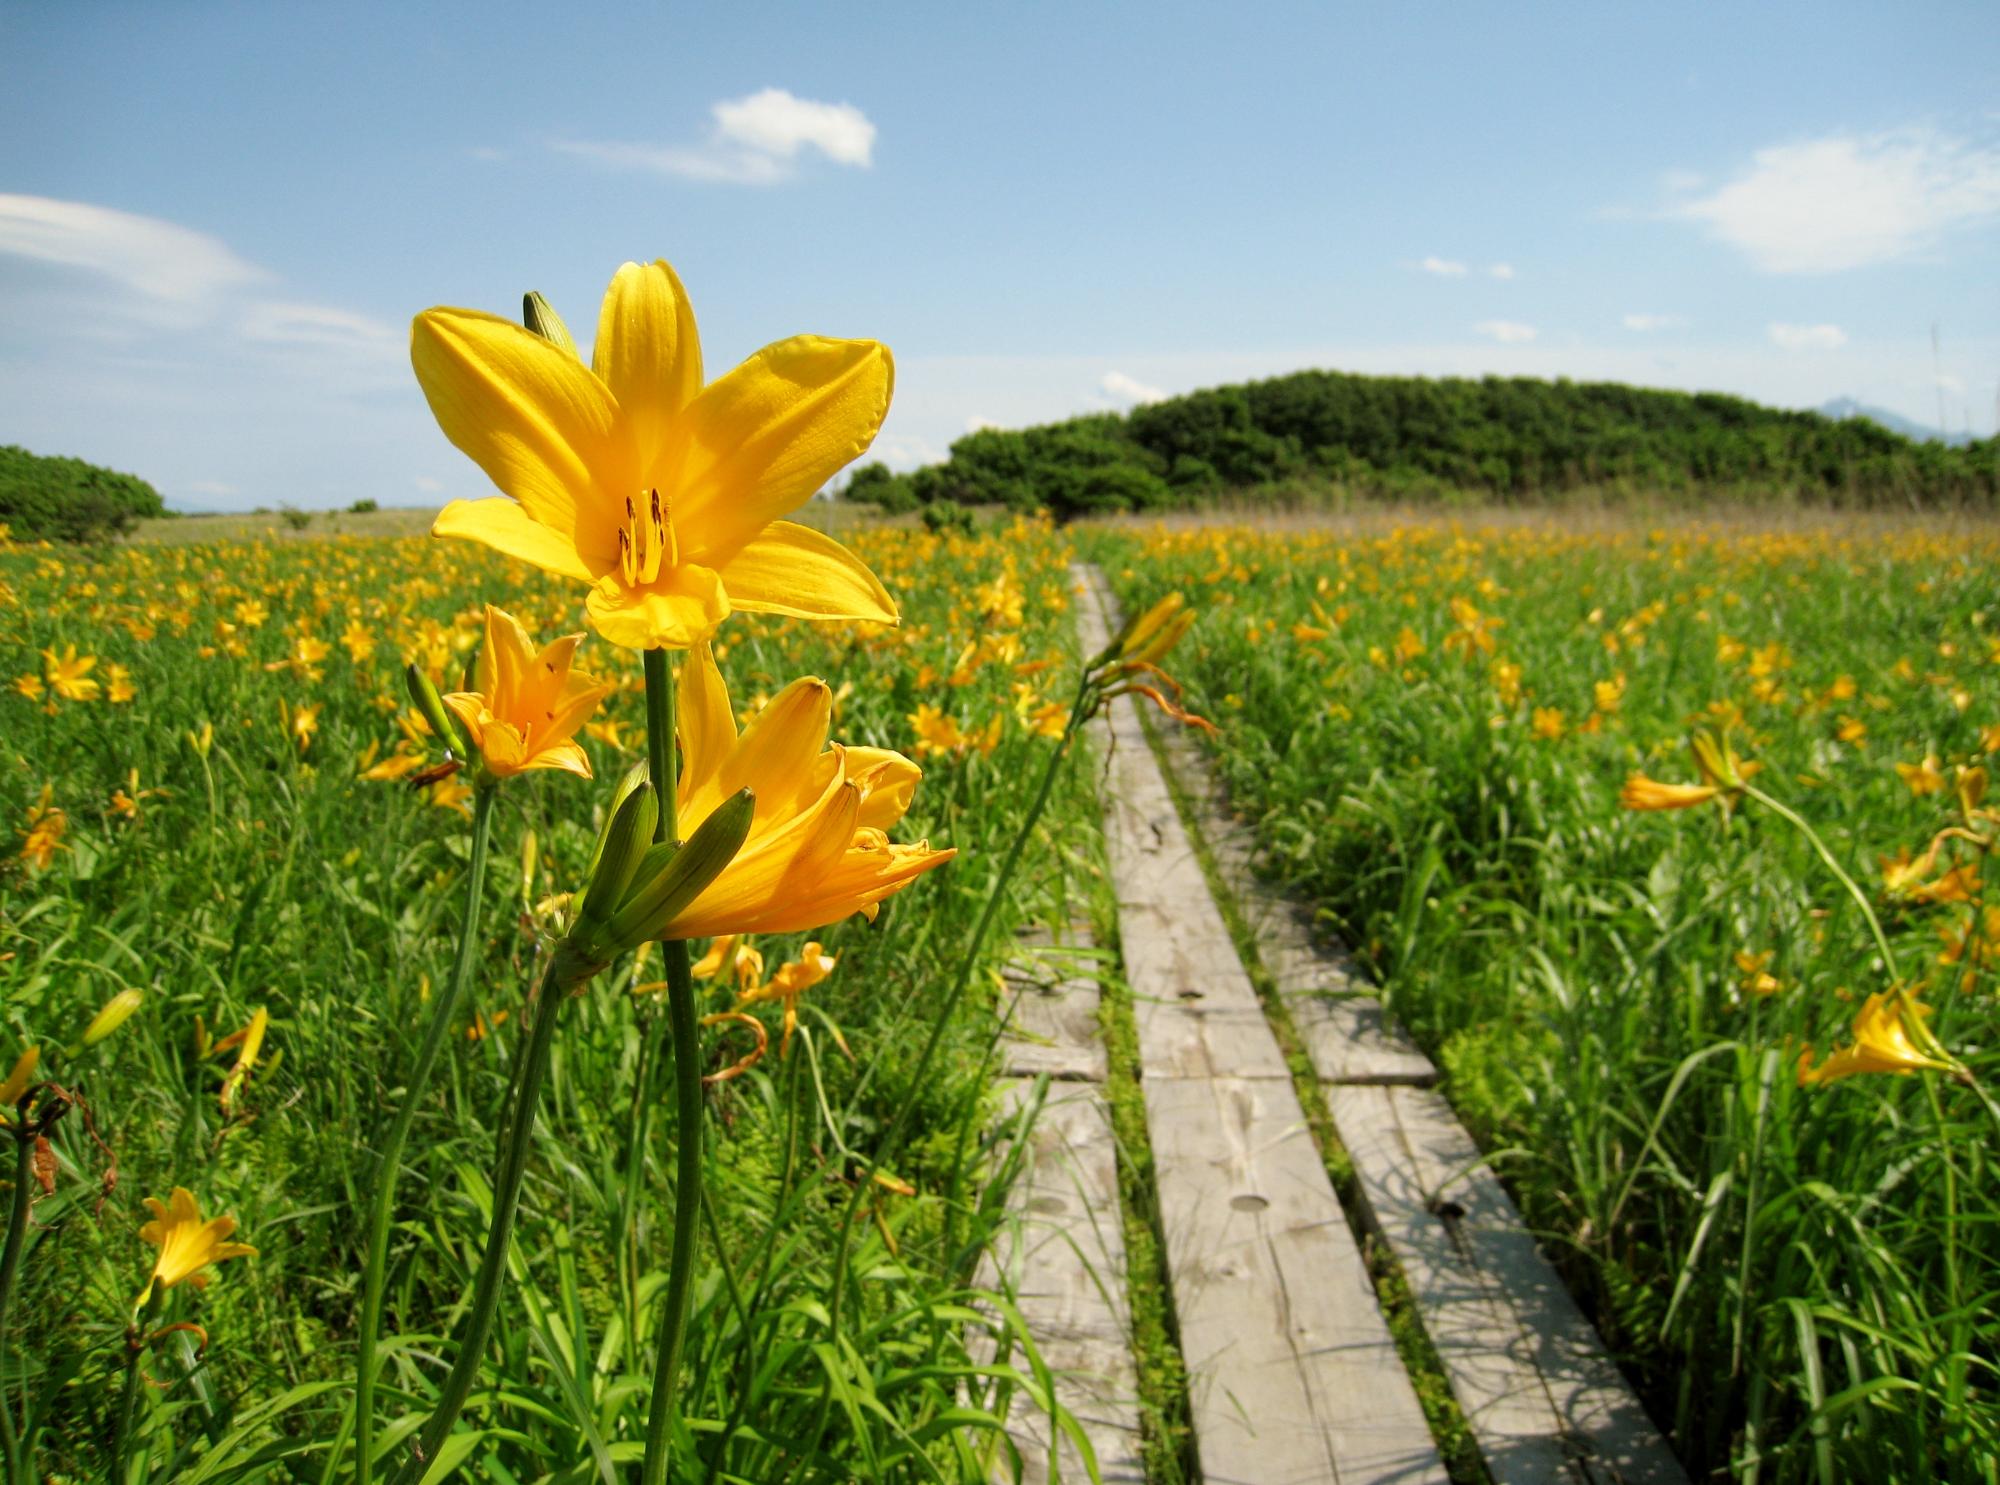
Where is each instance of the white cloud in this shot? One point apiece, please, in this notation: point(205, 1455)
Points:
point(215, 488)
point(977, 424)
point(1949, 383)
point(428, 485)
point(1123, 388)
point(1507, 332)
point(321, 327)
point(175, 267)
point(1808, 337)
point(1848, 200)
point(487, 153)
point(1500, 271)
point(1645, 323)
point(755, 140)
point(1442, 267)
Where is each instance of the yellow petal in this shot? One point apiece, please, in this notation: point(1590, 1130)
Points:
point(759, 442)
point(774, 757)
point(792, 569)
point(649, 354)
point(888, 781)
point(544, 429)
point(707, 726)
point(680, 610)
point(565, 755)
point(509, 529)
point(505, 662)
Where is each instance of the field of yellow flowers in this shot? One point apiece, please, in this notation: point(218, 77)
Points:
point(236, 861)
point(1673, 846)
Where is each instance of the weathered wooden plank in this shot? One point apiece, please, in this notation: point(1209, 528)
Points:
point(1293, 1375)
point(1065, 1263)
point(1542, 1397)
point(1348, 1034)
point(1051, 1012)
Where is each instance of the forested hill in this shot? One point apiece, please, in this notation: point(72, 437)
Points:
point(1419, 438)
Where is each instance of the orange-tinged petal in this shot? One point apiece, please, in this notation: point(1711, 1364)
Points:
point(509, 529)
point(545, 430)
point(707, 726)
point(760, 441)
point(793, 569)
point(564, 755)
point(888, 781)
point(680, 610)
point(649, 354)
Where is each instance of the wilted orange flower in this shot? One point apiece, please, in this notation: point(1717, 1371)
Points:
point(791, 981)
point(529, 704)
point(246, 1043)
point(187, 1244)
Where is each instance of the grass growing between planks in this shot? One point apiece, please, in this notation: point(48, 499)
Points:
point(1430, 727)
point(1455, 1441)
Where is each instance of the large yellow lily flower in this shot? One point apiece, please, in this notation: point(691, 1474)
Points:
point(818, 850)
point(1882, 1042)
point(187, 1244)
point(631, 475)
point(529, 702)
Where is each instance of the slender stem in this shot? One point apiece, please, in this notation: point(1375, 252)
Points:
point(1797, 820)
point(390, 1163)
point(684, 1032)
point(17, 1239)
point(128, 1400)
point(511, 1161)
point(1087, 698)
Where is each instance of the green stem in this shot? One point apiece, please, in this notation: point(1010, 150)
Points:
point(684, 1034)
point(10, 1263)
point(1799, 822)
point(389, 1165)
point(128, 1401)
point(511, 1162)
point(1087, 697)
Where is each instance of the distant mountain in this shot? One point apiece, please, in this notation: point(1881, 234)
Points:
point(1847, 407)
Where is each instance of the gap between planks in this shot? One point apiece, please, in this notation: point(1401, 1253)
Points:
point(1542, 1396)
point(1293, 1375)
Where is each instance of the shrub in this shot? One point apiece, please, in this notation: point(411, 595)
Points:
point(57, 499)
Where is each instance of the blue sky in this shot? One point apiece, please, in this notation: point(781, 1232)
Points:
point(217, 220)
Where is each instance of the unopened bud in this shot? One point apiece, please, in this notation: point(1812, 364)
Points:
point(117, 1011)
point(538, 315)
point(627, 840)
point(425, 695)
point(653, 904)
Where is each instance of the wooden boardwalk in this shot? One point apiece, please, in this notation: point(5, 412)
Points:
point(1064, 1255)
point(1293, 1375)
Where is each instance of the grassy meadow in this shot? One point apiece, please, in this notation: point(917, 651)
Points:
point(213, 813)
point(1675, 1029)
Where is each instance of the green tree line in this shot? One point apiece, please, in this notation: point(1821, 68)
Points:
point(1509, 439)
point(58, 499)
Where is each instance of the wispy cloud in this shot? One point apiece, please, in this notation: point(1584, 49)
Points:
point(1500, 270)
point(1123, 388)
point(1851, 200)
point(1808, 337)
point(1507, 332)
point(176, 274)
point(754, 140)
point(1442, 267)
point(321, 327)
point(1645, 323)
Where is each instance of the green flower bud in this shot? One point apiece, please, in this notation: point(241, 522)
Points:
point(540, 317)
point(627, 839)
point(425, 695)
point(651, 907)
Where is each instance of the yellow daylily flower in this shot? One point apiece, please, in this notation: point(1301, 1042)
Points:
point(1882, 1043)
point(187, 1244)
point(1642, 793)
point(529, 704)
point(247, 1043)
point(631, 475)
point(818, 850)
